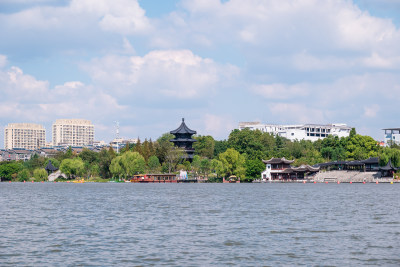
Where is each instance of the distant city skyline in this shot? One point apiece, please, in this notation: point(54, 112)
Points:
point(148, 63)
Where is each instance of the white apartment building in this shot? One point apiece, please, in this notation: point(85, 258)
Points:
point(392, 136)
point(24, 135)
point(310, 132)
point(73, 132)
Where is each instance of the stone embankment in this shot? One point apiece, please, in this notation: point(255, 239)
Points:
point(350, 176)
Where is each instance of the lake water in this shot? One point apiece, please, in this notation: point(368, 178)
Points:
point(60, 224)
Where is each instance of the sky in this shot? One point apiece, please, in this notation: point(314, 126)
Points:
point(147, 64)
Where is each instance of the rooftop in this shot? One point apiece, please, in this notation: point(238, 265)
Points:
point(183, 129)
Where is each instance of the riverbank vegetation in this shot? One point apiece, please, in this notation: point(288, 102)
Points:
point(239, 155)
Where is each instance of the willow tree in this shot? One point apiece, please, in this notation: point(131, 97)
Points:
point(128, 164)
point(232, 163)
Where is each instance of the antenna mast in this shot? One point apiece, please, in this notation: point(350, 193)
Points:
point(117, 136)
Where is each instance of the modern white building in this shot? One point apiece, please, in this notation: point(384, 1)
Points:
point(73, 132)
point(24, 135)
point(119, 143)
point(310, 132)
point(392, 136)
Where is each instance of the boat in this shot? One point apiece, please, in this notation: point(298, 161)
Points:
point(79, 181)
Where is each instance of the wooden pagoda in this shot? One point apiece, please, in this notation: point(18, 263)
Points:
point(183, 139)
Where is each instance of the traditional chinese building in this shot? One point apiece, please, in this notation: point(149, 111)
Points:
point(280, 169)
point(183, 139)
point(388, 170)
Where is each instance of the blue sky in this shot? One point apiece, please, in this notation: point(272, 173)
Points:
point(149, 63)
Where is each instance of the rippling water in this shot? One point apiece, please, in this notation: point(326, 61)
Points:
point(199, 224)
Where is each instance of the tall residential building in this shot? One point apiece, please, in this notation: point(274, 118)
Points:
point(392, 136)
point(24, 135)
point(310, 132)
point(73, 132)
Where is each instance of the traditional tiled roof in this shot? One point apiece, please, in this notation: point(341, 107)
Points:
point(183, 129)
point(305, 168)
point(374, 160)
point(183, 140)
point(50, 167)
point(388, 167)
point(278, 161)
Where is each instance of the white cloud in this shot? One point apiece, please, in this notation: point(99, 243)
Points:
point(218, 126)
point(81, 23)
point(177, 74)
point(281, 91)
point(296, 113)
point(21, 87)
point(306, 35)
point(24, 98)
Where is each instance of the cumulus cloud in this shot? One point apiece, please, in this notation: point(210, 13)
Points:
point(177, 74)
point(77, 27)
point(26, 99)
point(300, 61)
point(296, 113)
point(280, 91)
point(306, 35)
point(121, 16)
point(354, 99)
point(218, 125)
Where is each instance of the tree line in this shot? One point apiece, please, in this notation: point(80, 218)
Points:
point(240, 155)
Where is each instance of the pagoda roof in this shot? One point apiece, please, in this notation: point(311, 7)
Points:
point(388, 167)
point(183, 140)
point(374, 160)
point(305, 168)
point(278, 161)
point(50, 167)
point(183, 129)
point(302, 168)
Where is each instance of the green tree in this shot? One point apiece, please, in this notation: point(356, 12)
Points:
point(40, 174)
point(196, 163)
point(138, 147)
point(8, 170)
point(23, 175)
point(254, 168)
point(360, 147)
point(232, 163)
point(387, 154)
point(151, 148)
point(163, 146)
point(127, 164)
point(72, 167)
point(204, 146)
point(56, 163)
point(247, 142)
point(154, 164)
point(220, 147)
point(105, 158)
point(173, 157)
point(34, 162)
point(116, 167)
point(146, 150)
point(133, 163)
point(205, 167)
point(89, 156)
